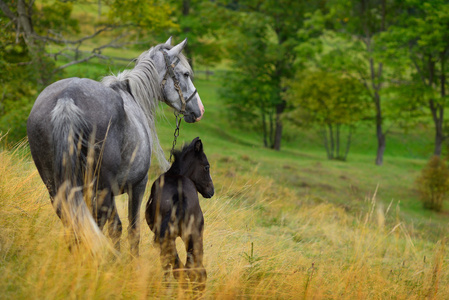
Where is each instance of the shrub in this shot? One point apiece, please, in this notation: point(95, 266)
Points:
point(433, 183)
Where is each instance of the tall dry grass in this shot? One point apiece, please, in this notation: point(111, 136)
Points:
point(261, 241)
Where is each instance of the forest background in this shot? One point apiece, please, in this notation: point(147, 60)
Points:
point(329, 66)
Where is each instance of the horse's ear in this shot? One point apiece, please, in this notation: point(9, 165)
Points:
point(168, 42)
point(177, 49)
point(198, 146)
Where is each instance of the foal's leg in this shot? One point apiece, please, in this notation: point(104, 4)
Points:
point(194, 264)
point(135, 198)
point(166, 232)
point(178, 266)
point(170, 258)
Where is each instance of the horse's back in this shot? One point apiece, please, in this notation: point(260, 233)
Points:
point(100, 104)
point(99, 107)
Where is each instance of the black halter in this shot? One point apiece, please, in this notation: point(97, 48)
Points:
point(171, 72)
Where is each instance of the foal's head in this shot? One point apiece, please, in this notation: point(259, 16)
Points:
point(192, 163)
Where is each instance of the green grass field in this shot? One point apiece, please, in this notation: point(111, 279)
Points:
point(283, 224)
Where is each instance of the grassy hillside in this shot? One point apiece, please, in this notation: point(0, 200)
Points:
point(286, 224)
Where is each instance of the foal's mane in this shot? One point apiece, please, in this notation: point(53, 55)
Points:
point(175, 168)
point(143, 84)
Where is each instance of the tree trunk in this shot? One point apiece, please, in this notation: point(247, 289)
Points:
point(331, 138)
point(377, 103)
point(439, 139)
point(278, 131)
point(380, 145)
point(35, 46)
point(348, 143)
point(25, 23)
point(438, 109)
point(337, 141)
point(437, 114)
point(271, 133)
point(326, 144)
point(264, 128)
point(186, 30)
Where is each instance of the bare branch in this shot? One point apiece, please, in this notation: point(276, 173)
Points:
point(65, 41)
point(112, 44)
point(74, 62)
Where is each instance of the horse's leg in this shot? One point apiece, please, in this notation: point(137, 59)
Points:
point(194, 263)
point(135, 199)
point(105, 210)
point(102, 207)
point(115, 226)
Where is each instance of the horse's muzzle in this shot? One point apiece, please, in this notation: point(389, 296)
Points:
point(201, 108)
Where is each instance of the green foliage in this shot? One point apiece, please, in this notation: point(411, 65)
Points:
point(55, 17)
point(252, 86)
point(420, 39)
point(27, 60)
point(433, 183)
point(142, 17)
point(18, 83)
point(329, 101)
point(323, 98)
point(203, 23)
point(263, 57)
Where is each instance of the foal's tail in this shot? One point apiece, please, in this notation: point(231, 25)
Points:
point(71, 135)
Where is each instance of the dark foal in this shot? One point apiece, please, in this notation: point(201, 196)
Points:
point(173, 210)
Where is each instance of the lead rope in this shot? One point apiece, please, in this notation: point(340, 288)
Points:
point(176, 134)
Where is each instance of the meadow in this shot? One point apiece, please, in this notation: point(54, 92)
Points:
point(282, 225)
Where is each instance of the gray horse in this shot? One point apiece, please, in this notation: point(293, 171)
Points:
point(92, 141)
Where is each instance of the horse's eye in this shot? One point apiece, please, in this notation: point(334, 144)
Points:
point(186, 74)
point(206, 168)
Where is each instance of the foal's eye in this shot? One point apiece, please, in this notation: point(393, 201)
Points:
point(206, 168)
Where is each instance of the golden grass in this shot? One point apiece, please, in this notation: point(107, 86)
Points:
point(261, 241)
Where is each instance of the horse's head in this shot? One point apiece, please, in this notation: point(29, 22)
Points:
point(196, 167)
point(175, 78)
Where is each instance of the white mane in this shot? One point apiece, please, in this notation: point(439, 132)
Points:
point(144, 86)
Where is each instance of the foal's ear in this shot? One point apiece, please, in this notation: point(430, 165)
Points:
point(198, 146)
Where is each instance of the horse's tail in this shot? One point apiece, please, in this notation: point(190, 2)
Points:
point(71, 134)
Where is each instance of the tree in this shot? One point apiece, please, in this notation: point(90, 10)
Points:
point(433, 183)
point(364, 21)
point(33, 37)
point(202, 23)
point(422, 33)
point(263, 56)
point(51, 23)
point(20, 76)
point(331, 101)
point(250, 88)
